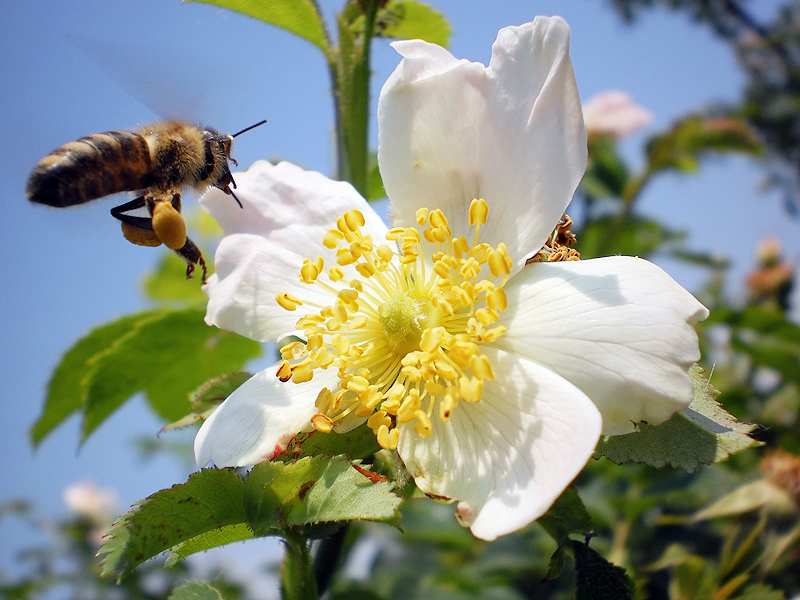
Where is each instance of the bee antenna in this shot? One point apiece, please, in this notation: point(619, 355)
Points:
point(249, 128)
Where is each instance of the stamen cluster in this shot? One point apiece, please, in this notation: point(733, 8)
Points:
point(405, 333)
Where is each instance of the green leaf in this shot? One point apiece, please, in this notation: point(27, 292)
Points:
point(195, 590)
point(567, 515)
point(168, 283)
point(205, 399)
point(760, 591)
point(216, 389)
point(69, 383)
point(558, 561)
point(299, 17)
point(209, 500)
point(375, 189)
point(356, 443)
point(711, 260)
point(228, 534)
point(598, 579)
point(606, 173)
point(749, 497)
point(636, 237)
point(164, 353)
point(769, 339)
point(314, 490)
point(351, 591)
point(166, 356)
point(692, 138)
point(215, 507)
point(699, 435)
point(409, 19)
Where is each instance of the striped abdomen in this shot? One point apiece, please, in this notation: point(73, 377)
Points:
point(90, 168)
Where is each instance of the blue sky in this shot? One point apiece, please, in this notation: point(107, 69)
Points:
point(80, 67)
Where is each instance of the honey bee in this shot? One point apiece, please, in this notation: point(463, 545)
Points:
point(156, 162)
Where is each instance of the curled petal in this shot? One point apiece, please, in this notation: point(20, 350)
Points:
point(506, 458)
point(287, 211)
point(258, 420)
point(513, 134)
point(618, 328)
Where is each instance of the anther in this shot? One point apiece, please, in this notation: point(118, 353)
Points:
point(478, 211)
point(287, 301)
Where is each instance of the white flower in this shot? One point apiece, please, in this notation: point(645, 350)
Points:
point(615, 113)
point(92, 502)
point(493, 379)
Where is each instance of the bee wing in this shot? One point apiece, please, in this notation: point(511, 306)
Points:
point(168, 85)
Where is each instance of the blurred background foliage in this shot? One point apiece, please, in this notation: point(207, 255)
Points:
point(725, 531)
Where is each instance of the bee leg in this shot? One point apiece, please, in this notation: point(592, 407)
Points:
point(137, 230)
point(118, 212)
point(191, 254)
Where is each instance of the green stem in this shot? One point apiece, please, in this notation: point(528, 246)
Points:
point(327, 557)
point(297, 577)
point(630, 195)
point(351, 75)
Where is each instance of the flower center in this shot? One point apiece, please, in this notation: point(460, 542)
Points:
point(404, 319)
point(404, 326)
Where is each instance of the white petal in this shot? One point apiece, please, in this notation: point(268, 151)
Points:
point(509, 456)
point(619, 328)
point(250, 271)
point(259, 420)
point(450, 131)
point(279, 201)
point(287, 211)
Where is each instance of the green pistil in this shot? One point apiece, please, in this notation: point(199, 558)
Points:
point(403, 318)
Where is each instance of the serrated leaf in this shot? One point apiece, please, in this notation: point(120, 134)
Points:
point(238, 532)
point(558, 561)
point(355, 444)
point(195, 590)
point(314, 490)
point(299, 17)
point(205, 399)
point(209, 500)
point(598, 579)
point(567, 515)
point(409, 19)
point(702, 434)
point(217, 389)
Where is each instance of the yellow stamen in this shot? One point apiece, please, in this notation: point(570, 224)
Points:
point(404, 326)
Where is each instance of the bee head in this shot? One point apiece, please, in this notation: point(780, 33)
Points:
point(225, 142)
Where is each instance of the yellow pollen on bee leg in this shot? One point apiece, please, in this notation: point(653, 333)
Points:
point(168, 225)
point(404, 324)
